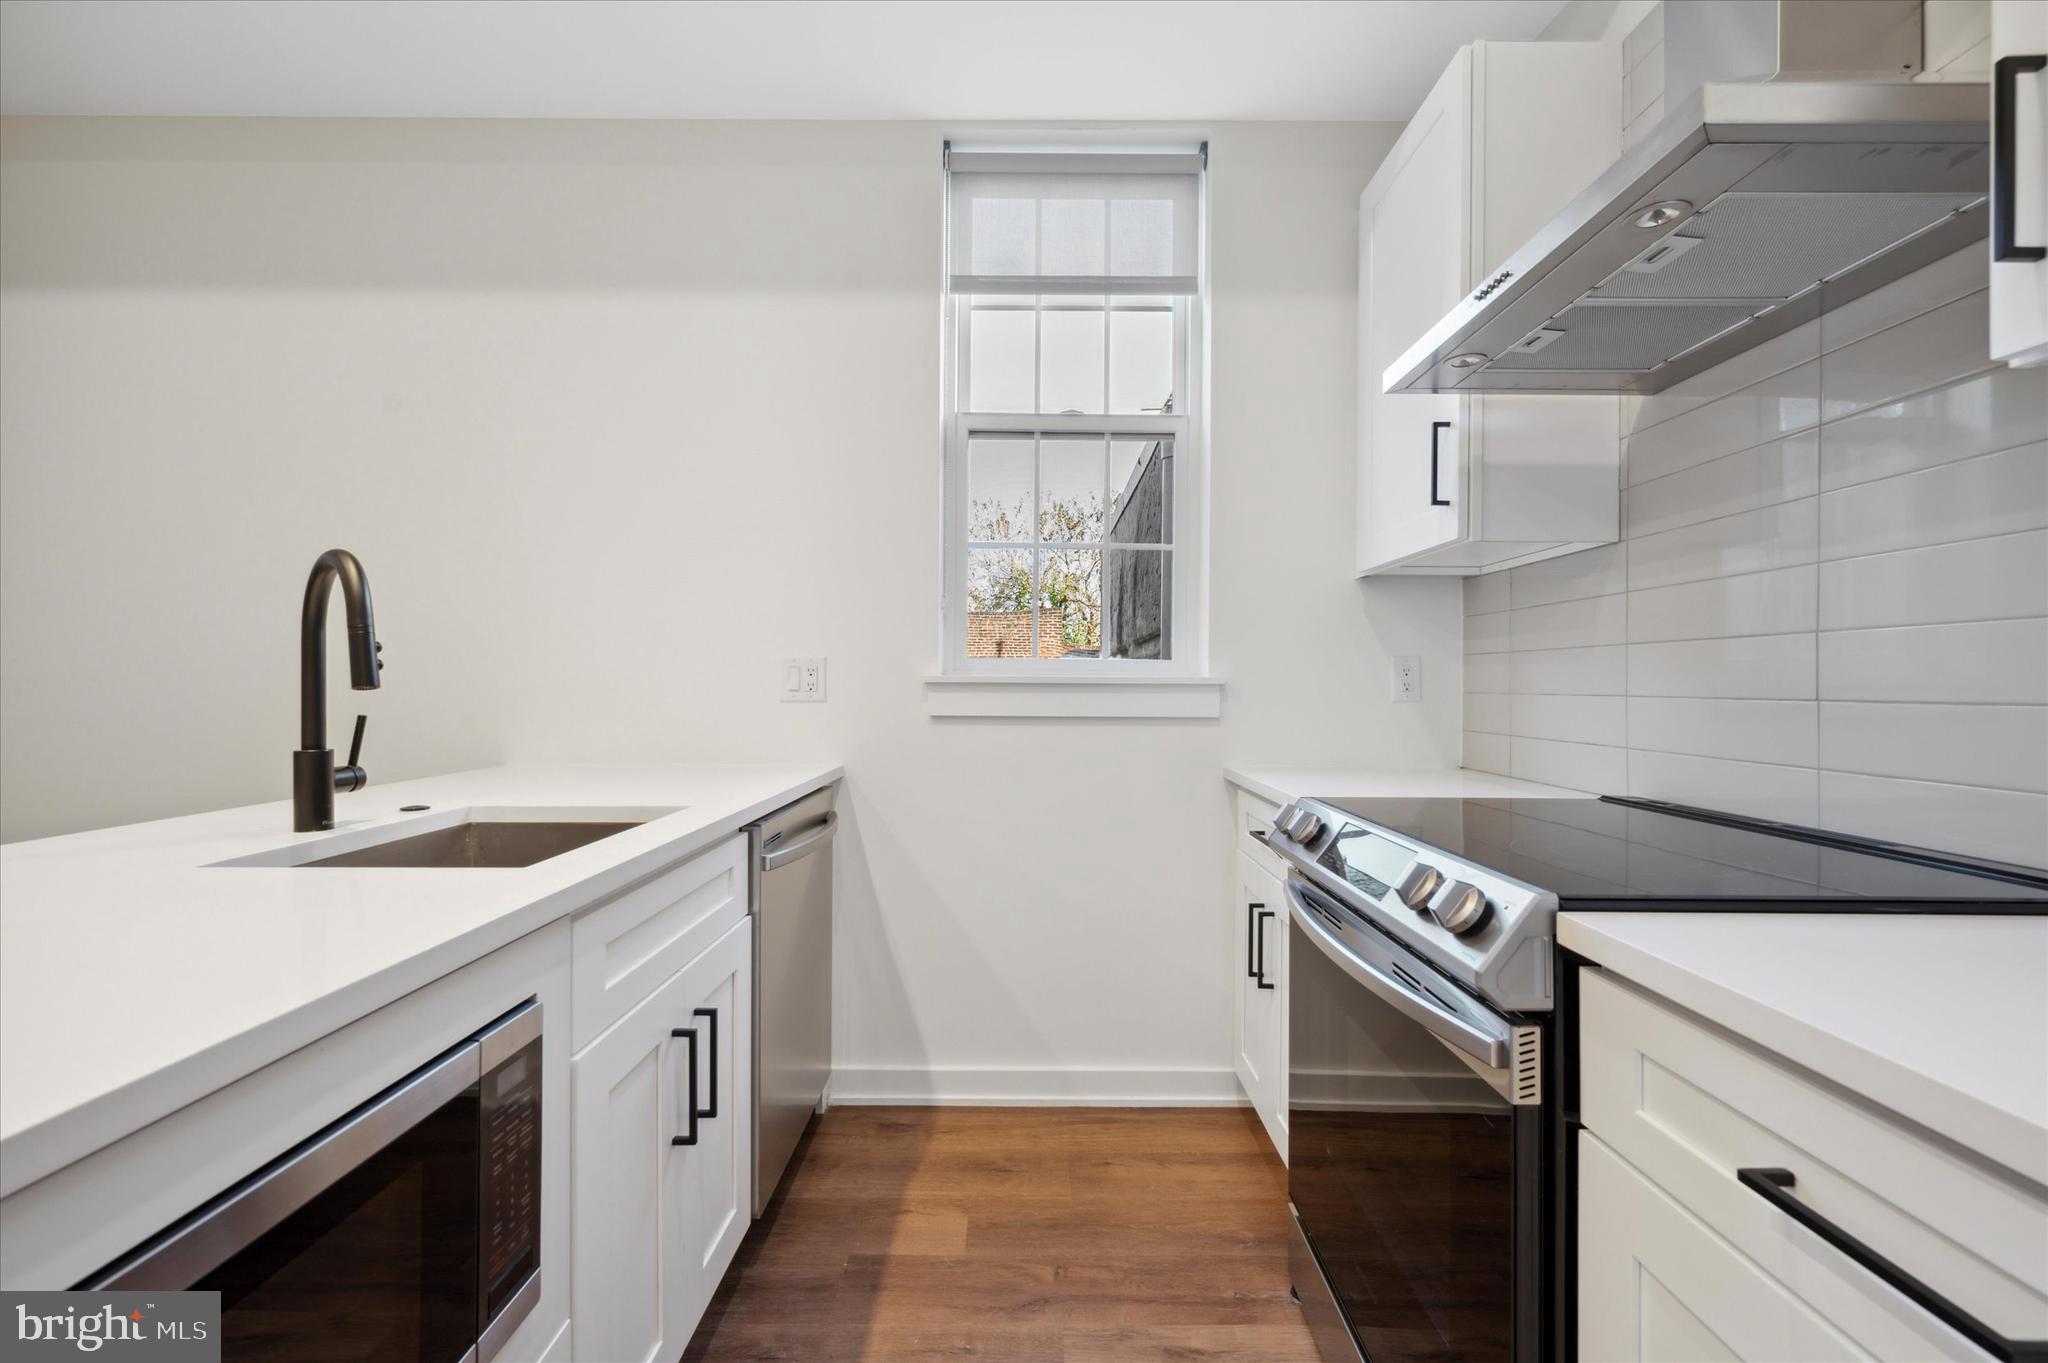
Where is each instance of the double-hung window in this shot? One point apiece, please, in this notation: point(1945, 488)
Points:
point(1074, 454)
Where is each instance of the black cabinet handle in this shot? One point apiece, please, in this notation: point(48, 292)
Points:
point(1436, 431)
point(1251, 940)
point(710, 1110)
point(1775, 1187)
point(690, 1111)
point(2006, 73)
point(1259, 931)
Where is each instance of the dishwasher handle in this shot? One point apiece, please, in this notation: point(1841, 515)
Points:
point(785, 853)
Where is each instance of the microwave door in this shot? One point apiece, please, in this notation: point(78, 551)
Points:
point(361, 1242)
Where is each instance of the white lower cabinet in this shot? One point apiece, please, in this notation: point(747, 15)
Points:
point(656, 1223)
point(1720, 1190)
point(1261, 1011)
point(1657, 1286)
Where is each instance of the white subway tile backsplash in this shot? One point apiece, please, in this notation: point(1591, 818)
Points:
point(1952, 277)
point(1486, 633)
point(1752, 366)
point(1781, 471)
point(1569, 624)
point(1769, 410)
point(1773, 667)
point(1486, 712)
point(1830, 604)
point(1791, 794)
point(1489, 672)
point(1786, 732)
point(1748, 542)
point(1978, 579)
point(1932, 349)
point(1998, 662)
point(1972, 745)
point(1486, 593)
point(2005, 825)
point(1569, 671)
point(1993, 410)
point(1570, 719)
point(1486, 752)
point(1577, 766)
point(1777, 602)
point(1993, 494)
point(1592, 572)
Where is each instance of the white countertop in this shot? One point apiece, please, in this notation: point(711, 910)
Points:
point(1942, 1019)
point(136, 976)
point(1281, 784)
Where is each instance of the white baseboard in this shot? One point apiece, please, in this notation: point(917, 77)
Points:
point(942, 1086)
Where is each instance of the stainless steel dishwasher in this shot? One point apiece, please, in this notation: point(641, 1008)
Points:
point(792, 907)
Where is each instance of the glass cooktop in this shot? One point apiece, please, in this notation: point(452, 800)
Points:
point(1613, 854)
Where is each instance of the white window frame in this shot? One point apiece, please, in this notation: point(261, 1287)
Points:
point(1145, 686)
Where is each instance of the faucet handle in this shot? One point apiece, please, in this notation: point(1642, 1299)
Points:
point(352, 776)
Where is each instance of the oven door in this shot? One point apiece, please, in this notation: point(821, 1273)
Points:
point(360, 1243)
point(1414, 1132)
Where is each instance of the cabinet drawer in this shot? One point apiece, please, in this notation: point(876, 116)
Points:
point(1656, 1285)
point(1689, 1105)
point(1254, 819)
point(629, 944)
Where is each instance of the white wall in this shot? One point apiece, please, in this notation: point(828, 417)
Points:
point(1830, 604)
point(618, 415)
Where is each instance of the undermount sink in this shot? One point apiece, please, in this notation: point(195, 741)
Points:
point(467, 837)
point(478, 844)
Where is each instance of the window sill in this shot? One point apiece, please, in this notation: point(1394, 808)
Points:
point(971, 695)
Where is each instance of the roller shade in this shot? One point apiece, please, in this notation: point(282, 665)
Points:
point(1025, 223)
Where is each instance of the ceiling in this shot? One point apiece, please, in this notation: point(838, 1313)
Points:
point(955, 60)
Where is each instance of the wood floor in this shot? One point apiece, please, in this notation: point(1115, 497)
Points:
point(1068, 1235)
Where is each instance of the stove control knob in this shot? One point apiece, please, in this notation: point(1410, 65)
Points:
point(1417, 884)
point(1283, 818)
point(1304, 826)
point(1462, 907)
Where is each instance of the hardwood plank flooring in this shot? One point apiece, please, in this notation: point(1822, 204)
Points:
point(1026, 1235)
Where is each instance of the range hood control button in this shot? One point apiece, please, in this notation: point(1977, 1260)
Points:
point(1462, 907)
point(1417, 884)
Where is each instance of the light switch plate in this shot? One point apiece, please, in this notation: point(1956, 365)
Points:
point(803, 679)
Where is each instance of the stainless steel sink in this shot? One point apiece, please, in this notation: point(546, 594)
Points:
point(479, 843)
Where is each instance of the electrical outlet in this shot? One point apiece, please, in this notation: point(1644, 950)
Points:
point(803, 679)
point(1407, 678)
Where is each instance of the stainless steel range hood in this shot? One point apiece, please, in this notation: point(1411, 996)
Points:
point(1732, 222)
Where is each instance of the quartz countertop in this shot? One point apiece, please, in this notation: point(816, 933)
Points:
point(138, 975)
point(1940, 1018)
point(1281, 784)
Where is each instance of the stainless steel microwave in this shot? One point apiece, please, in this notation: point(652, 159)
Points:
point(408, 1230)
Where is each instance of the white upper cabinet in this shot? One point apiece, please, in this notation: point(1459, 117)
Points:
point(1464, 484)
point(2019, 233)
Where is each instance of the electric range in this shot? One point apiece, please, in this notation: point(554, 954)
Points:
point(1432, 1030)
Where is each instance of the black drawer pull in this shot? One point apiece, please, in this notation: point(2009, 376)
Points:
point(1251, 940)
point(1436, 431)
point(1775, 1187)
point(690, 1111)
point(2006, 73)
point(1259, 931)
point(711, 1109)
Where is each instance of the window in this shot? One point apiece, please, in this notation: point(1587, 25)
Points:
point(1073, 484)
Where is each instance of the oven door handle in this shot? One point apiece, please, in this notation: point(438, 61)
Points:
point(1490, 1046)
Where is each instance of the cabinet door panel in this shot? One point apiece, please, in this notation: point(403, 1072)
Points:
point(1262, 1013)
point(2019, 288)
point(707, 1189)
point(622, 1110)
point(1413, 235)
